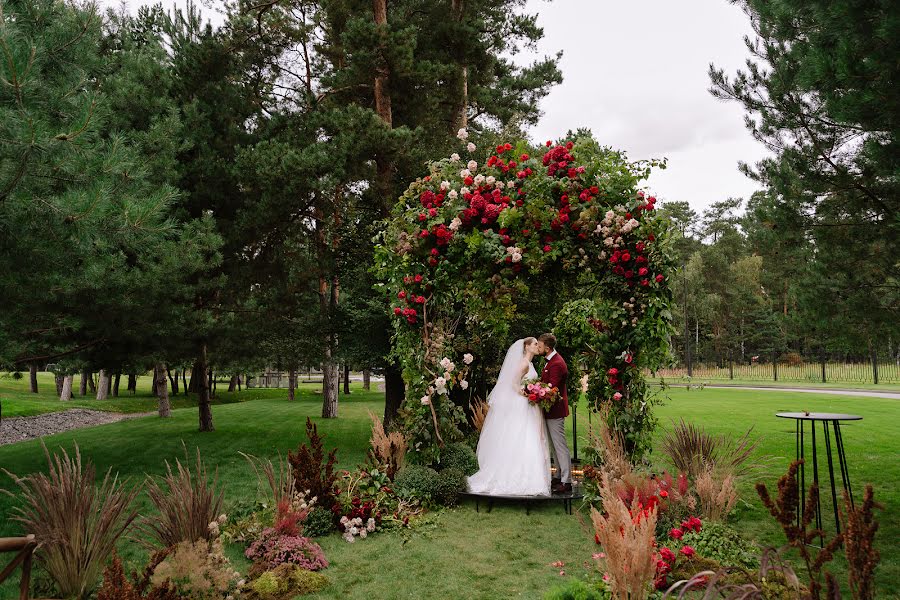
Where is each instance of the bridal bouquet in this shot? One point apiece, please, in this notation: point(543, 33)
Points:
point(540, 393)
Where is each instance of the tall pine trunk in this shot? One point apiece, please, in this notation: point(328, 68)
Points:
point(184, 380)
point(367, 380)
point(206, 420)
point(102, 385)
point(59, 383)
point(132, 383)
point(66, 393)
point(33, 371)
point(162, 391)
point(92, 388)
point(346, 379)
point(116, 382)
point(232, 385)
point(83, 385)
point(292, 384)
point(394, 392)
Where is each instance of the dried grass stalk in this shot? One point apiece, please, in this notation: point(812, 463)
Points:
point(388, 449)
point(479, 410)
point(186, 503)
point(279, 480)
point(859, 544)
point(610, 447)
point(75, 522)
point(691, 449)
point(628, 542)
point(717, 493)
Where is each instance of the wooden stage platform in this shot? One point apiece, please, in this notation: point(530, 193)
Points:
point(566, 499)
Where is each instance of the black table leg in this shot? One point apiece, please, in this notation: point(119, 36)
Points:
point(801, 425)
point(477, 502)
point(490, 505)
point(816, 481)
point(842, 457)
point(837, 519)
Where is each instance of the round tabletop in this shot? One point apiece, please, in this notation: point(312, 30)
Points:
point(811, 416)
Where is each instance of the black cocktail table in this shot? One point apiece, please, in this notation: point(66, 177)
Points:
point(825, 418)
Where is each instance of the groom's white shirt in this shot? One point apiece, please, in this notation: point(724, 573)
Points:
point(549, 356)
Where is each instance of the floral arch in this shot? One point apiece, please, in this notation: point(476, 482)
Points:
point(524, 238)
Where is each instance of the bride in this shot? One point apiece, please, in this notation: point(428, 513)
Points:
point(513, 454)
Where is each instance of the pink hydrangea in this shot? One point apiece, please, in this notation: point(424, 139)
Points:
point(275, 549)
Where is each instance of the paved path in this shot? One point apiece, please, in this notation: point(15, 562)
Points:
point(831, 391)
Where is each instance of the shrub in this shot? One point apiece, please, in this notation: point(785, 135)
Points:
point(285, 582)
point(117, 587)
point(576, 589)
point(449, 483)
point(312, 470)
point(274, 548)
point(459, 456)
point(723, 545)
point(199, 570)
point(416, 482)
point(186, 502)
point(75, 522)
point(319, 522)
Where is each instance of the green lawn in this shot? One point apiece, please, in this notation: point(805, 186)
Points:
point(458, 552)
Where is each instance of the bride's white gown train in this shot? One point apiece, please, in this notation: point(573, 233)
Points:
point(513, 454)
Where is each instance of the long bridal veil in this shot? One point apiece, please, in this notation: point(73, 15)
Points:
point(513, 455)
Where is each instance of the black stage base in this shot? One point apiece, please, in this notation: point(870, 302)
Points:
point(566, 499)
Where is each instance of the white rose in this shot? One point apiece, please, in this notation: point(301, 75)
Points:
point(610, 215)
point(354, 531)
point(470, 147)
point(490, 180)
point(510, 184)
point(454, 157)
point(479, 179)
point(464, 384)
point(462, 134)
point(516, 257)
point(464, 190)
point(363, 533)
point(453, 194)
point(464, 173)
point(426, 400)
point(472, 165)
point(455, 223)
point(468, 358)
point(445, 185)
point(440, 382)
point(444, 362)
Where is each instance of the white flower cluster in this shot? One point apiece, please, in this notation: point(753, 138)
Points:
point(468, 358)
point(515, 252)
point(456, 223)
point(470, 147)
point(462, 134)
point(354, 528)
point(215, 526)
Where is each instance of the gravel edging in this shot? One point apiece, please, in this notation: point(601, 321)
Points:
point(20, 429)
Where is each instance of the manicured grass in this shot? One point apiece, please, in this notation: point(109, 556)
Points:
point(881, 387)
point(18, 401)
point(458, 552)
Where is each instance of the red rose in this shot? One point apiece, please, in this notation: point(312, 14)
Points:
point(469, 180)
point(397, 310)
point(659, 278)
point(676, 534)
point(548, 144)
point(420, 300)
point(532, 397)
point(401, 295)
point(643, 271)
point(572, 173)
point(687, 551)
point(547, 248)
point(667, 555)
point(432, 212)
point(612, 371)
point(434, 252)
point(432, 261)
point(629, 274)
point(626, 257)
point(645, 282)
point(639, 246)
point(417, 279)
point(569, 145)
point(595, 189)
point(523, 158)
point(422, 216)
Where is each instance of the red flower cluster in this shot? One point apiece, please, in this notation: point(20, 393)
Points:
point(559, 160)
point(430, 200)
point(358, 508)
point(485, 205)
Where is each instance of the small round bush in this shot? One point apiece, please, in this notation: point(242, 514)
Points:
point(723, 545)
point(286, 582)
point(576, 589)
point(450, 483)
point(416, 482)
point(459, 456)
point(319, 522)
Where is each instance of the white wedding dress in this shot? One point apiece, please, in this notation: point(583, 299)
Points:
point(513, 454)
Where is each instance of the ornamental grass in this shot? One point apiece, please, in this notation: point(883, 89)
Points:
point(691, 449)
point(76, 522)
point(717, 493)
point(627, 535)
point(388, 449)
point(186, 502)
point(479, 410)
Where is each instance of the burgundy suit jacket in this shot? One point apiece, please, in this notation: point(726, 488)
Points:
point(556, 373)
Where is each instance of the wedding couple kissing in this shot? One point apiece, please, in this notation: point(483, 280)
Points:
point(513, 450)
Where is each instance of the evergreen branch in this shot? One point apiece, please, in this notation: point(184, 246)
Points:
point(92, 12)
point(66, 137)
point(47, 357)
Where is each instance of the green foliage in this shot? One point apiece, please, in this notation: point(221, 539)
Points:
point(461, 457)
point(724, 545)
point(286, 582)
point(417, 482)
point(318, 523)
point(450, 482)
point(577, 589)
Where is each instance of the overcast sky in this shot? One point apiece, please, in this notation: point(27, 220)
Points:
point(635, 73)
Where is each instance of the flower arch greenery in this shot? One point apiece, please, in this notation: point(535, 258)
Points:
point(556, 236)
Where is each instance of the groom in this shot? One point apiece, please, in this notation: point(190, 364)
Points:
point(555, 373)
